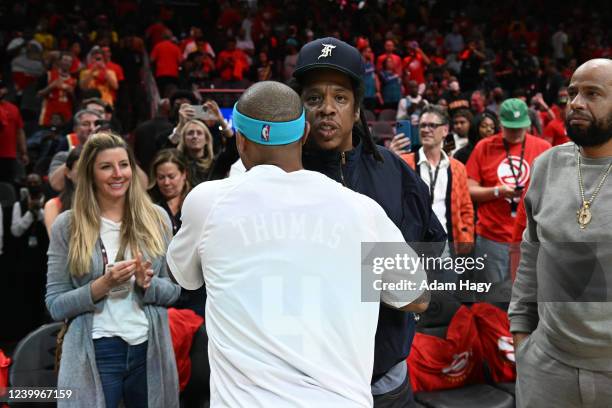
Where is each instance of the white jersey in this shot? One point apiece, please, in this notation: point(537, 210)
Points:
point(280, 256)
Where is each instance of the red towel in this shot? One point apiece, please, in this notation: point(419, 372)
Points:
point(183, 325)
point(496, 341)
point(437, 364)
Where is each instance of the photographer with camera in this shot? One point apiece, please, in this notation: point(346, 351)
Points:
point(28, 211)
point(31, 242)
point(498, 171)
point(98, 76)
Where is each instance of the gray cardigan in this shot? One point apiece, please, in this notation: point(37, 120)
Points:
point(69, 297)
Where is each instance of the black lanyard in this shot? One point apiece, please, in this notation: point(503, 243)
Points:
point(433, 178)
point(517, 177)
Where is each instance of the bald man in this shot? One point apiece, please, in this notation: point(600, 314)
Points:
point(560, 314)
point(278, 248)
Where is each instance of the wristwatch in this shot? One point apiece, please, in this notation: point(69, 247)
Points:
point(496, 191)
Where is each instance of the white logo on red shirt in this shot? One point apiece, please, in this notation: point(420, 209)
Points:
point(504, 172)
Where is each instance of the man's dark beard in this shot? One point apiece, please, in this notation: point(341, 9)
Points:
point(596, 134)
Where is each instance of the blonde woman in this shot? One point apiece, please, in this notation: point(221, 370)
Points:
point(107, 275)
point(196, 144)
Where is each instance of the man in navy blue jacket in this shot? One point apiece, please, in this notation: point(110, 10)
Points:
point(329, 78)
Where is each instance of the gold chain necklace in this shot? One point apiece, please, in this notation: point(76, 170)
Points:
point(583, 215)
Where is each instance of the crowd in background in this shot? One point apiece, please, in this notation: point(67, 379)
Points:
point(74, 68)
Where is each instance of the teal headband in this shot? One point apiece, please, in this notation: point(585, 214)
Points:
point(269, 133)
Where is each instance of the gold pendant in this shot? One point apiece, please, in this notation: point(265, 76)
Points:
point(583, 215)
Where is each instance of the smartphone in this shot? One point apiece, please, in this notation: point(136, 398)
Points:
point(203, 113)
point(405, 127)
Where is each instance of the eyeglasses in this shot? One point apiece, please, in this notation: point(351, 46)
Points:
point(430, 125)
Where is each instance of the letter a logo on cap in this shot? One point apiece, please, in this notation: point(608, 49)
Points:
point(265, 133)
point(517, 114)
point(326, 51)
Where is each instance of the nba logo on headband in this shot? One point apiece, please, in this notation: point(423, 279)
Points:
point(265, 133)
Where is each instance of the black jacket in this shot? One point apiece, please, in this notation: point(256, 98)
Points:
point(405, 199)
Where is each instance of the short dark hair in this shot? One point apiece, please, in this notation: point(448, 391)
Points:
point(464, 113)
point(437, 110)
point(270, 101)
point(183, 94)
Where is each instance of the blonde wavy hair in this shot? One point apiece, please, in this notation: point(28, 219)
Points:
point(204, 162)
point(143, 227)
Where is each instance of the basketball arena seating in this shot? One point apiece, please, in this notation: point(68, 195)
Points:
point(383, 130)
point(387, 115)
point(369, 115)
point(34, 360)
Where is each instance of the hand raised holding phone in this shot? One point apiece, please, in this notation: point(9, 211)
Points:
point(204, 112)
point(400, 144)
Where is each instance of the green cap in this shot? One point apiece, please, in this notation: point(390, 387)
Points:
point(513, 114)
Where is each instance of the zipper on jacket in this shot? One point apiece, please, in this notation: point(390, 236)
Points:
point(342, 163)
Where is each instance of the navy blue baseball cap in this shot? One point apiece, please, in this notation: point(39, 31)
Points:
point(331, 53)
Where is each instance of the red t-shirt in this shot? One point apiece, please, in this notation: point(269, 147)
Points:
point(380, 60)
point(488, 165)
point(232, 71)
point(416, 67)
point(10, 124)
point(58, 101)
point(76, 65)
point(555, 132)
point(116, 68)
point(167, 57)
